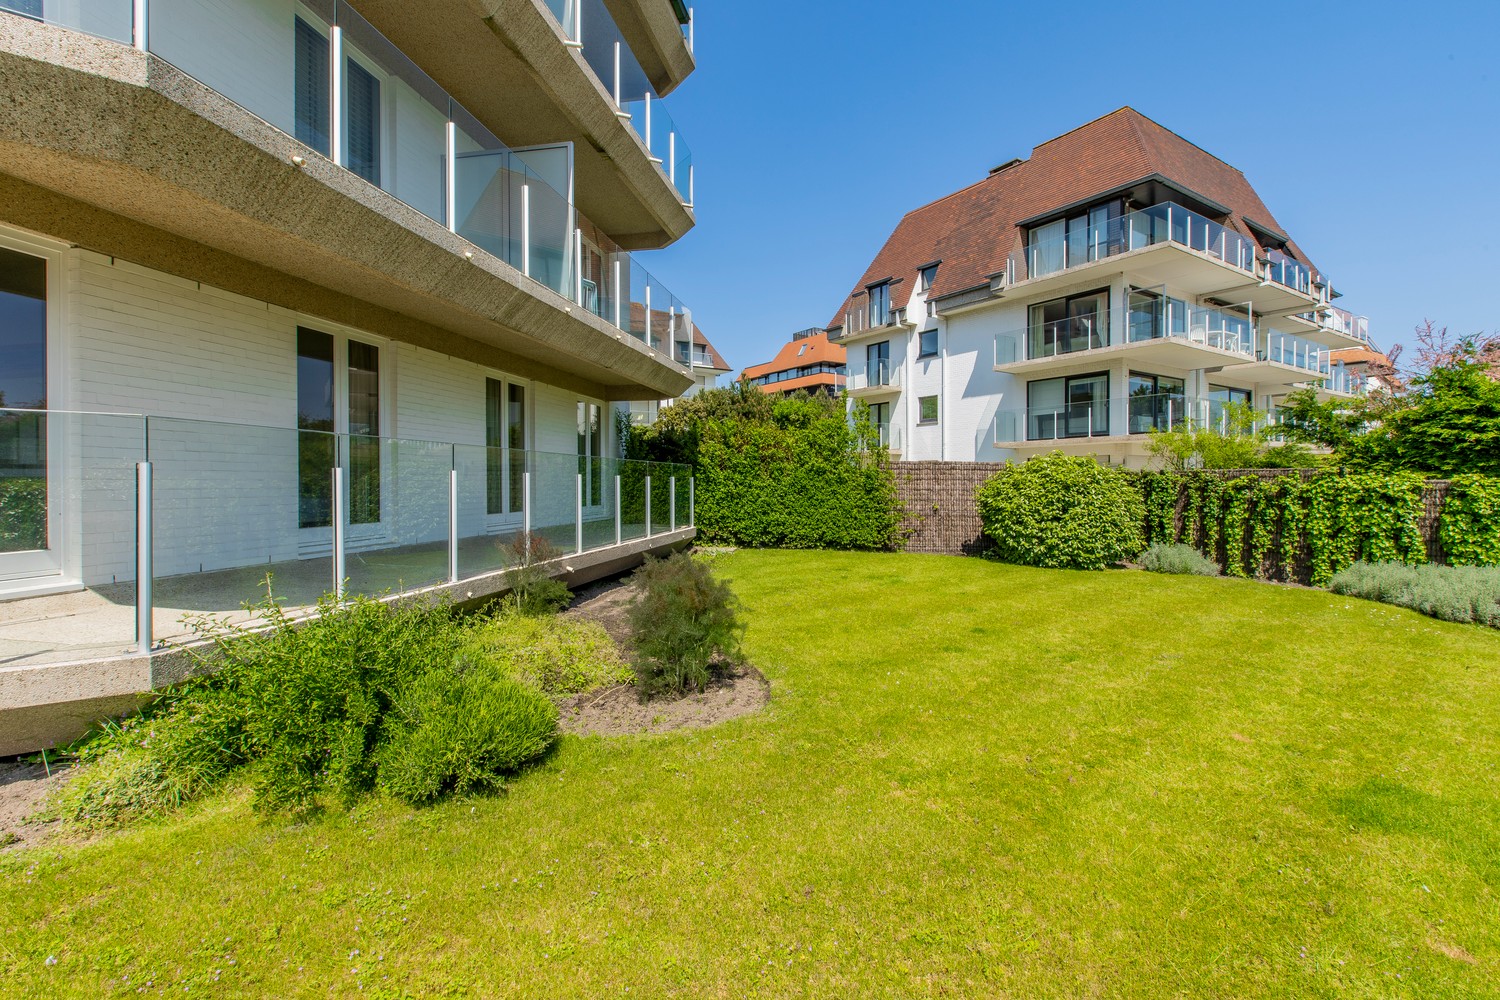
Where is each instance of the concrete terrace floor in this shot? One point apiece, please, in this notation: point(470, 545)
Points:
point(99, 622)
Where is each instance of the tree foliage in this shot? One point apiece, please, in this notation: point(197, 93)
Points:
point(793, 472)
point(1238, 444)
point(1062, 512)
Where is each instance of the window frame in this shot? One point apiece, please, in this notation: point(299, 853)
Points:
point(922, 419)
point(922, 352)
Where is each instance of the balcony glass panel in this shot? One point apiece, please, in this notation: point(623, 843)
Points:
point(112, 19)
point(1061, 245)
point(1156, 411)
point(1287, 272)
point(1286, 349)
point(1154, 316)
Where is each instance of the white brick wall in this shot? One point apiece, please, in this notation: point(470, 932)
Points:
point(217, 373)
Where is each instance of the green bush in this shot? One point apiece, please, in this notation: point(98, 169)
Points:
point(785, 473)
point(681, 619)
point(1469, 523)
point(533, 589)
point(1452, 593)
point(1062, 512)
point(23, 513)
point(462, 728)
point(151, 763)
point(558, 656)
point(1179, 559)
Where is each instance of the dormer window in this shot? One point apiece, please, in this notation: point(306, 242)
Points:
point(880, 304)
point(926, 276)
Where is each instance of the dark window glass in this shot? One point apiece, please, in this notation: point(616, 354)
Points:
point(316, 444)
point(494, 440)
point(30, 8)
point(364, 433)
point(23, 385)
point(880, 304)
point(364, 122)
point(927, 344)
point(515, 424)
point(311, 87)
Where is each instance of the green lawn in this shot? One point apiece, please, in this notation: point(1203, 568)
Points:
point(973, 780)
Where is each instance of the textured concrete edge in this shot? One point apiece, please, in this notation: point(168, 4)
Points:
point(64, 692)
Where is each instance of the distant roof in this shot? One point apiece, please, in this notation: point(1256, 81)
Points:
point(805, 350)
point(664, 322)
point(972, 232)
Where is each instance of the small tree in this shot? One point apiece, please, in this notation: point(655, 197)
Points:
point(680, 620)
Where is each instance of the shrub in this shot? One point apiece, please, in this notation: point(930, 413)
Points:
point(23, 513)
point(681, 619)
point(1062, 512)
point(1180, 559)
point(788, 473)
point(556, 655)
point(1469, 524)
point(1452, 593)
point(173, 752)
point(533, 589)
point(461, 729)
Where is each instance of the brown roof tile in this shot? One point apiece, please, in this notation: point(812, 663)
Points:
point(975, 230)
point(814, 348)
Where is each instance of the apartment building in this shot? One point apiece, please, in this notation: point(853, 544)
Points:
point(695, 353)
point(809, 362)
point(1119, 280)
point(342, 292)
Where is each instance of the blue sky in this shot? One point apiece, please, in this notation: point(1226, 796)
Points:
point(1372, 130)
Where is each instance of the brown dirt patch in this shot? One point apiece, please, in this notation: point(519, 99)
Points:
point(1453, 951)
point(24, 789)
point(618, 711)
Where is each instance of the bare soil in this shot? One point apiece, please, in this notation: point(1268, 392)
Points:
point(618, 711)
point(24, 789)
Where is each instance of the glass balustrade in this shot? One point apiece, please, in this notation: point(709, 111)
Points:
point(1159, 224)
point(394, 126)
point(233, 504)
point(1140, 413)
point(112, 19)
point(1286, 349)
point(1289, 273)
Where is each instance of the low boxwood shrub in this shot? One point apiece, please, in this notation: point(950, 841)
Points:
point(1452, 593)
point(682, 621)
point(1179, 559)
point(461, 729)
point(556, 655)
point(1062, 512)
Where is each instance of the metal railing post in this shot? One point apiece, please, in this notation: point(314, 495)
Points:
point(618, 91)
point(618, 295)
point(692, 506)
point(578, 516)
point(453, 519)
point(450, 176)
point(144, 571)
point(672, 503)
point(618, 537)
point(338, 530)
point(336, 89)
point(138, 25)
point(648, 506)
point(672, 157)
point(526, 229)
point(526, 511)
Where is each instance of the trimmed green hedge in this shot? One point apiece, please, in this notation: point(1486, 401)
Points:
point(776, 473)
point(1062, 512)
point(23, 514)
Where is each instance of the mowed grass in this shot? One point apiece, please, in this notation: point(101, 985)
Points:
point(973, 780)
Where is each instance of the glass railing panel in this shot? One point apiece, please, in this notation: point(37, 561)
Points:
point(233, 505)
point(491, 190)
point(661, 486)
point(598, 501)
point(551, 238)
point(1148, 412)
point(396, 537)
point(112, 19)
point(1158, 224)
point(554, 485)
point(490, 489)
point(633, 499)
point(395, 119)
point(1078, 333)
point(566, 13)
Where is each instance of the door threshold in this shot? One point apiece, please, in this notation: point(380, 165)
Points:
point(18, 590)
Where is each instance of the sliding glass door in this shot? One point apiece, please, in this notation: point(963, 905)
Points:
point(27, 545)
point(339, 417)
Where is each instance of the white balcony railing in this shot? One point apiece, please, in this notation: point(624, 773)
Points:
point(1165, 319)
point(878, 374)
point(1159, 224)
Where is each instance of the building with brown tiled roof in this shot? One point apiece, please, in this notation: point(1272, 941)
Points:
point(694, 352)
point(809, 361)
point(1120, 280)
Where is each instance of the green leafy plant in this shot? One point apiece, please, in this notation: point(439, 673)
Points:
point(682, 620)
point(1062, 512)
point(533, 588)
point(1180, 559)
point(557, 655)
point(23, 513)
point(462, 728)
point(1452, 593)
point(794, 472)
point(1469, 523)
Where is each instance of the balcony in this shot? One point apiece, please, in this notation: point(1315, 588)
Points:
point(218, 506)
point(1167, 223)
point(880, 377)
point(591, 27)
point(695, 358)
point(860, 322)
point(1117, 419)
point(1161, 331)
point(360, 105)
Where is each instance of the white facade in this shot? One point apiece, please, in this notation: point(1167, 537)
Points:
point(984, 370)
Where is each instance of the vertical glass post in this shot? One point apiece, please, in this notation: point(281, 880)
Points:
point(138, 24)
point(648, 506)
point(672, 502)
point(144, 571)
point(450, 174)
point(692, 506)
point(338, 530)
point(526, 229)
point(618, 537)
point(336, 88)
point(578, 516)
point(453, 519)
point(526, 510)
